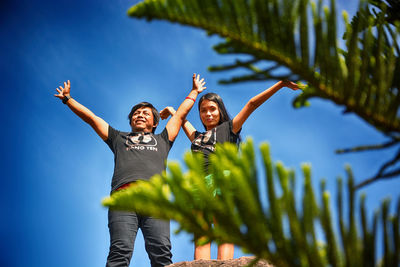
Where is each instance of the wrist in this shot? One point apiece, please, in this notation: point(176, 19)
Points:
point(66, 98)
point(191, 98)
point(194, 92)
point(278, 86)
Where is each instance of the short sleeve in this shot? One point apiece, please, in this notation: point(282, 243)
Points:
point(112, 136)
point(234, 137)
point(231, 127)
point(164, 135)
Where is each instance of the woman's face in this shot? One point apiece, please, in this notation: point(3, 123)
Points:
point(209, 114)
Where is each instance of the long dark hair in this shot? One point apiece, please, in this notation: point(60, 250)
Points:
point(224, 115)
point(156, 115)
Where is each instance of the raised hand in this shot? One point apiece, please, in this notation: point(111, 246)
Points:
point(166, 112)
point(63, 91)
point(290, 84)
point(198, 84)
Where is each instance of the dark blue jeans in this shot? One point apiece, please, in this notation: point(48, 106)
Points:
point(123, 227)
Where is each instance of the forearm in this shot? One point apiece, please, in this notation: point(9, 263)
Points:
point(259, 99)
point(186, 106)
point(97, 123)
point(179, 117)
point(83, 112)
point(252, 105)
point(186, 125)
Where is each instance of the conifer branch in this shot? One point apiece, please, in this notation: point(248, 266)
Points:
point(256, 227)
point(381, 173)
point(266, 30)
point(368, 147)
point(360, 76)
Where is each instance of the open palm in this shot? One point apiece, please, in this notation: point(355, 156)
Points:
point(63, 91)
point(198, 84)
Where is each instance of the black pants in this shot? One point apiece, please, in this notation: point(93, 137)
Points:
point(123, 227)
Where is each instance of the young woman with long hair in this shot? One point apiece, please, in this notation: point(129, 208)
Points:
point(220, 128)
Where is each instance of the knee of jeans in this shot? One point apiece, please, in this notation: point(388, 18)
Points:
point(159, 255)
point(120, 253)
point(159, 250)
point(122, 245)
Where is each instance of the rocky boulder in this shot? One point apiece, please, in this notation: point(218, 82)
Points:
point(243, 261)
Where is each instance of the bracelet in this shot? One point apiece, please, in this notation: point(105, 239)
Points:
point(191, 98)
point(65, 99)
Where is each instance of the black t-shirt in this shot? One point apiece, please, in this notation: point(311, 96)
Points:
point(137, 156)
point(205, 142)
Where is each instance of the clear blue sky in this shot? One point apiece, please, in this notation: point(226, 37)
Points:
point(56, 169)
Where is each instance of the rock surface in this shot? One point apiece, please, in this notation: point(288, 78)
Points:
point(243, 261)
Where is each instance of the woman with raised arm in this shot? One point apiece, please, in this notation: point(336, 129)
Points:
point(220, 129)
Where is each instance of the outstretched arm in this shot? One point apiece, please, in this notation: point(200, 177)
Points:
point(97, 123)
point(256, 101)
point(187, 127)
point(178, 118)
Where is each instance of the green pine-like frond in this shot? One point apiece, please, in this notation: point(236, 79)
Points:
point(284, 231)
point(302, 37)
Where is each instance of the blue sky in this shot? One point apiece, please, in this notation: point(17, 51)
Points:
point(56, 169)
